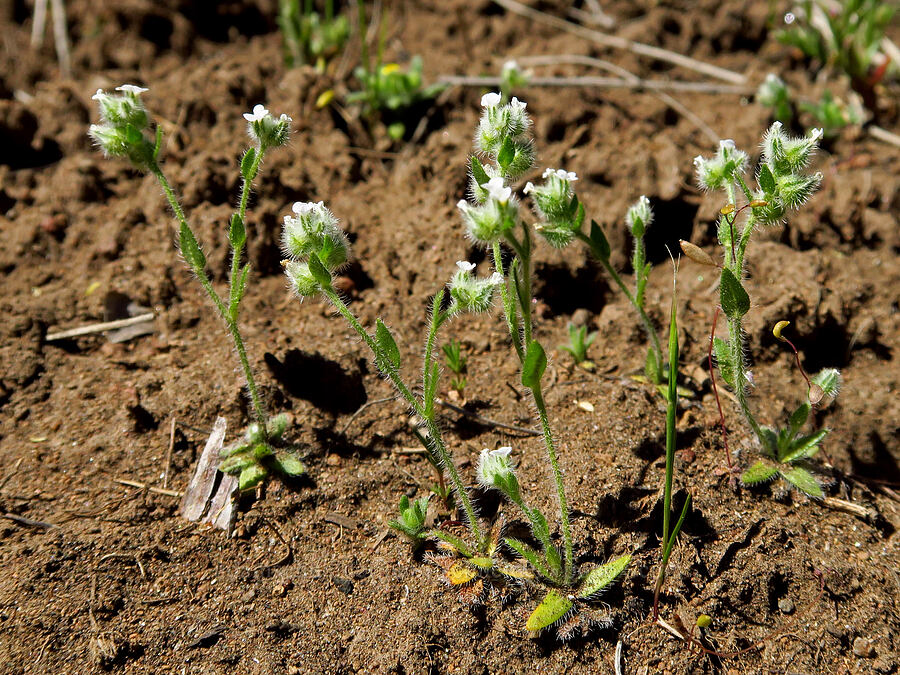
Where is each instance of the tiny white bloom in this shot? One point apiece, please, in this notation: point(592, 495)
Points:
point(302, 208)
point(98, 95)
point(496, 279)
point(727, 144)
point(258, 114)
point(517, 105)
point(465, 266)
point(490, 99)
point(816, 134)
point(496, 190)
point(567, 175)
point(529, 187)
point(510, 65)
point(499, 452)
point(132, 89)
point(698, 161)
point(548, 172)
point(462, 205)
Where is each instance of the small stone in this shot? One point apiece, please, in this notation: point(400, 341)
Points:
point(345, 586)
point(248, 597)
point(862, 647)
point(333, 459)
point(580, 317)
point(786, 605)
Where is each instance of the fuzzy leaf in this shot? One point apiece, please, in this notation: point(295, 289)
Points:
point(235, 464)
point(759, 473)
point(514, 572)
point(804, 447)
point(478, 172)
point(734, 299)
point(386, 345)
point(318, 271)
point(595, 581)
point(251, 476)
point(277, 425)
point(798, 419)
point(289, 464)
point(530, 555)
point(237, 233)
point(247, 164)
point(507, 153)
point(553, 607)
point(534, 365)
point(722, 354)
point(458, 544)
point(599, 244)
point(766, 180)
point(804, 481)
point(651, 368)
point(482, 562)
point(191, 250)
point(232, 450)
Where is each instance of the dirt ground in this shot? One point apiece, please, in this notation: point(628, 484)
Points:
point(97, 575)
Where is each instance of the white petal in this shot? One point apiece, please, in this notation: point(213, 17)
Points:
point(465, 265)
point(462, 205)
point(529, 187)
point(496, 279)
point(98, 95)
point(490, 99)
point(516, 104)
point(132, 89)
point(302, 208)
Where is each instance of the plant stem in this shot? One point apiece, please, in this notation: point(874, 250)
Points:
point(246, 187)
point(217, 302)
point(509, 309)
point(736, 349)
point(434, 432)
point(558, 480)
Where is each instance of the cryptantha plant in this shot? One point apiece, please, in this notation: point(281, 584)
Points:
point(783, 185)
point(126, 131)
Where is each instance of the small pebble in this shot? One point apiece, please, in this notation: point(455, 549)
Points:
point(248, 597)
point(786, 605)
point(333, 459)
point(862, 647)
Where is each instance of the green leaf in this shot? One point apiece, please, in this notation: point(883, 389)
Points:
point(234, 449)
point(798, 418)
point(579, 214)
point(289, 464)
point(247, 169)
point(235, 464)
point(319, 272)
point(553, 607)
point(596, 581)
point(478, 172)
point(723, 362)
point(804, 481)
point(237, 233)
point(481, 562)
point(734, 299)
point(651, 367)
point(277, 425)
point(759, 473)
point(251, 476)
point(507, 153)
point(766, 180)
point(386, 345)
point(534, 365)
point(191, 250)
point(599, 243)
point(458, 544)
point(805, 447)
point(530, 555)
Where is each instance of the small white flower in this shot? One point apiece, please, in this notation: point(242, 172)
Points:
point(132, 89)
point(462, 205)
point(511, 65)
point(302, 208)
point(517, 105)
point(529, 187)
point(259, 113)
point(816, 134)
point(496, 190)
point(99, 95)
point(496, 279)
point(465, 266)
point(490, 99)
point(727, 144)
point(500, 452)
point(698, 161)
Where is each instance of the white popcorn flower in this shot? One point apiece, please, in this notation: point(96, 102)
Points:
point(529, 187)
point(465, 266)
point(490, 100)
point(303, 208)
point(259, 113)
point(517, 106)
point(131, 89)
point(497, 190)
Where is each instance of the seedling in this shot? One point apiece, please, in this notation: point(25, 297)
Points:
point(388, 89)
point(512, 77)
point(783, 185)
point(125, 131)
point(412, 520)
point(310, 37)
point(579, 341)
point(455, 361)
point(847, 38)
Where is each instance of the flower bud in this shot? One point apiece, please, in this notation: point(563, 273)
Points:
point(267, 131)
point(122, 109)
point(697, 254)
point(718, 172)
point(314, 229)
point(469, 294)
point(639, 217)
point(555, 206)
point(495, 470)
point(486, 223)
point(300, 279)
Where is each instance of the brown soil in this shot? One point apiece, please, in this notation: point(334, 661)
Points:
point(311, 584)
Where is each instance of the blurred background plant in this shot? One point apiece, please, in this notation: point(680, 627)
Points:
point(311, 37)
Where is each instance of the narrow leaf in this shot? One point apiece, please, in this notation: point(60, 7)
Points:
point(317, 269)
point(723, 354)
point(734, 299)
point(599, 244)
point(530, 555)
point(191, 250)
point(458, 544)
point(805, 447)
point(534, 365)
point(237, 233)
point(766, 180)
point(386, 345)
point(599, 578)
point(553, 607)
point(478, 172)
point(804, 481)
point(759, 473)
point(507, 153)
point(798, 418)
point(247, 170)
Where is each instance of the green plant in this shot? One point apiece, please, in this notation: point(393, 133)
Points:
point(456, 363)
point(846, 36)
point(412, 520)
point(579, 341)
point(830, 114)
point(387, 89)
point(125, 132)
point(311, 37)
point(783, 185)
point(476, 563)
